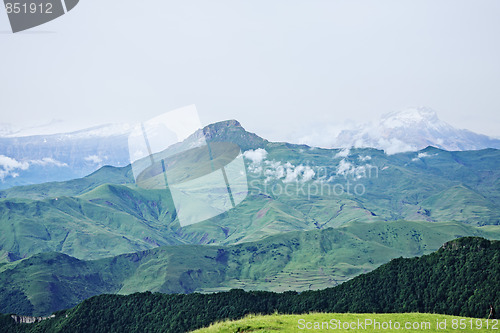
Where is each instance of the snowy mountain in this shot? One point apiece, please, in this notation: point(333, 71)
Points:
point(411, 130)
point(56, 157)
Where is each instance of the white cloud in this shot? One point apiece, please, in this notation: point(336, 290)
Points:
point(299, 173)
point(343, 153)
point(256, 156)
point(364, 158)
point(274, 170)
point(394, 146)
point(346, 168)
point(323, 135)
point(422, 155)
point(48, 161)
point(308, 174)
point(93, 159)
point(9, 165)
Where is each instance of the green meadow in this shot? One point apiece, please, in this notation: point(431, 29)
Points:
point(353, 322)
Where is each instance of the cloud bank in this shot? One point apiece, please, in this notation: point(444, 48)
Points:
point(10, 167)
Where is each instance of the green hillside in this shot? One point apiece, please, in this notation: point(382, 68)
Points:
point(83, 228)
point(350, 322)
point(297, 261)
point(461, 278)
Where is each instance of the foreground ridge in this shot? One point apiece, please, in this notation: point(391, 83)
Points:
point(459, 282)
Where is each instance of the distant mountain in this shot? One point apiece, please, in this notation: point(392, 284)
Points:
point(33, 159)
point(56, 157)
point(412, 130)
point(407, 130)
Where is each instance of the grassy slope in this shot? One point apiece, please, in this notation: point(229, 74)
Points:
point(291, 261)
point(84, 228)
point(290, 323)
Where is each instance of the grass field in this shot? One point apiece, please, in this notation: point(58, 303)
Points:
point(334, 322)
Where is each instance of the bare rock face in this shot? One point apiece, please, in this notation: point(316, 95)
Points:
point(28, 319)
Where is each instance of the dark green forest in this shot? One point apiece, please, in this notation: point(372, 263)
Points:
point(461, 278)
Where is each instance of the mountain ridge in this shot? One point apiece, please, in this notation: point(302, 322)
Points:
point(57, 157)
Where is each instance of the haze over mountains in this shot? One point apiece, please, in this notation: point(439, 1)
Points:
point(26, 158)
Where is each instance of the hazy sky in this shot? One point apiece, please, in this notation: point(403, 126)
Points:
point(280, 67)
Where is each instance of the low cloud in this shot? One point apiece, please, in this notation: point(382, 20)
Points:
point(346, 168)
point(276, 170)
point(343, 153)
point(287, 172)
point(93, 159)
point(48, 161)
point(422, 155)
point(299, 173)
point(394, 146)
point(256, 156)
point(10, 167)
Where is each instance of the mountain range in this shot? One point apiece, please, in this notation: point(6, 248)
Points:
point(292, 188)
point(30, 158)
point(313, 218)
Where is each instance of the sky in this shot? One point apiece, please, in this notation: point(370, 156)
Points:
point(283, 68)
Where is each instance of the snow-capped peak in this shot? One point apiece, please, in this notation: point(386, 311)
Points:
point(411, 117)
point(409, 129)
